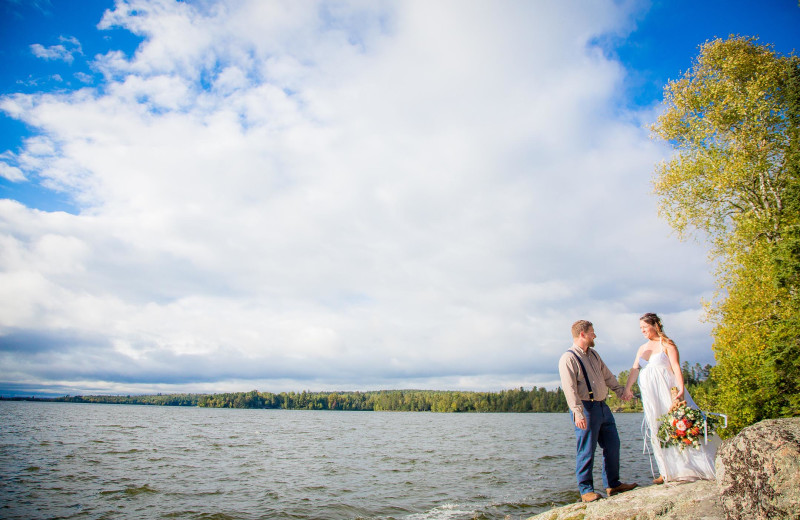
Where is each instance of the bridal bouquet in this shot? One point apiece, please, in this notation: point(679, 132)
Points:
point(683, 426)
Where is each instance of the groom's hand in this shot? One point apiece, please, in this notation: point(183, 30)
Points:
point(581, 423)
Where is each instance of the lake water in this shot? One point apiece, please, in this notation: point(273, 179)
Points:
point(66, 460)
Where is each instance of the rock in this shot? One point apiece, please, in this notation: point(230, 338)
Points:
point(758, 471)
point(697, 500)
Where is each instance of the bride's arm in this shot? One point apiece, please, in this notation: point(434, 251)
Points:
point(675, 364)
point(634, 374)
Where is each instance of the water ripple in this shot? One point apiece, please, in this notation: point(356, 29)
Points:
point(63, 460)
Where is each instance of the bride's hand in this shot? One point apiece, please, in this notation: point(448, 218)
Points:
point(678, 396)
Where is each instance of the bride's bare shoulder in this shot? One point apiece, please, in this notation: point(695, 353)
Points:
point(649, 345)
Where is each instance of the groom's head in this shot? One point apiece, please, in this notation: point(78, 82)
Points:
point(583, 333)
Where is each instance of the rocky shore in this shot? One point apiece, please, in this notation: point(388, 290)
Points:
point(758, 472)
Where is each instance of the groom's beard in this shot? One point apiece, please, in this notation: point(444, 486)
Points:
point(591, 343)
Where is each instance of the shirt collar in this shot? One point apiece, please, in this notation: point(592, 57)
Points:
point(580, 351)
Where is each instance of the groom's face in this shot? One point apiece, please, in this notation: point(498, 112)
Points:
point(589, 336)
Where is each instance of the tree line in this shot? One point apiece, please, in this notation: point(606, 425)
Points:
point(516, 400)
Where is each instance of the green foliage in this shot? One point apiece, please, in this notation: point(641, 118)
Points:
point(694, 375)
point(734, 120)
point(516, 400)
point(729, 121)
point(700, 385)
point(157, 399)
point(521, 400)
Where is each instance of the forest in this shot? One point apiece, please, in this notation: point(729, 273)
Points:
point(516, 400)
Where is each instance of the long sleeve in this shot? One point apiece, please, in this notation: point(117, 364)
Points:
point(568, 371)
point(574, 384)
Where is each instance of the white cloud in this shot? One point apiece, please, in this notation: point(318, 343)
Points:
point(65, 51)
point(84, 78)
point(356, 195)
point(11, 173)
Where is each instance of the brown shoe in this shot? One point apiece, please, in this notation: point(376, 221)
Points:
point(620, 489)
point(659, 480)
point(590, 497)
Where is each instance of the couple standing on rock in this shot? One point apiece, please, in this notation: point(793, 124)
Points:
point(586, 381)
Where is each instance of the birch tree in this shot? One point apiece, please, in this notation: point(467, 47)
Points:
point(734, 122)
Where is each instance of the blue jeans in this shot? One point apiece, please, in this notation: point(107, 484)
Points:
point(600, 429)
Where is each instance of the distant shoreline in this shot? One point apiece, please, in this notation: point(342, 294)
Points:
point(517, 400)
point(535, 400)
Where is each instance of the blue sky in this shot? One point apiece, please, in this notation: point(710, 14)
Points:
point(220, 196)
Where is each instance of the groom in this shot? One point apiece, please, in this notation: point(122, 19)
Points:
point(586, 380)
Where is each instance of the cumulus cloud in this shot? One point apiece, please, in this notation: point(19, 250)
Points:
point(9, 172)
point(353, 196)
point(64, 51)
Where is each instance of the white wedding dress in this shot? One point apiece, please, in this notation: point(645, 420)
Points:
point(655, 381)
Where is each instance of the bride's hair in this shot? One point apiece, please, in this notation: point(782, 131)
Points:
point(652, 319)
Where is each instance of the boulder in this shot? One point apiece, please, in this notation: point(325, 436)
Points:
point(673, 501)
point(758, 478)
point(758, 471)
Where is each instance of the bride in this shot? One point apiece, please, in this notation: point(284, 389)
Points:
point(658, 366)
